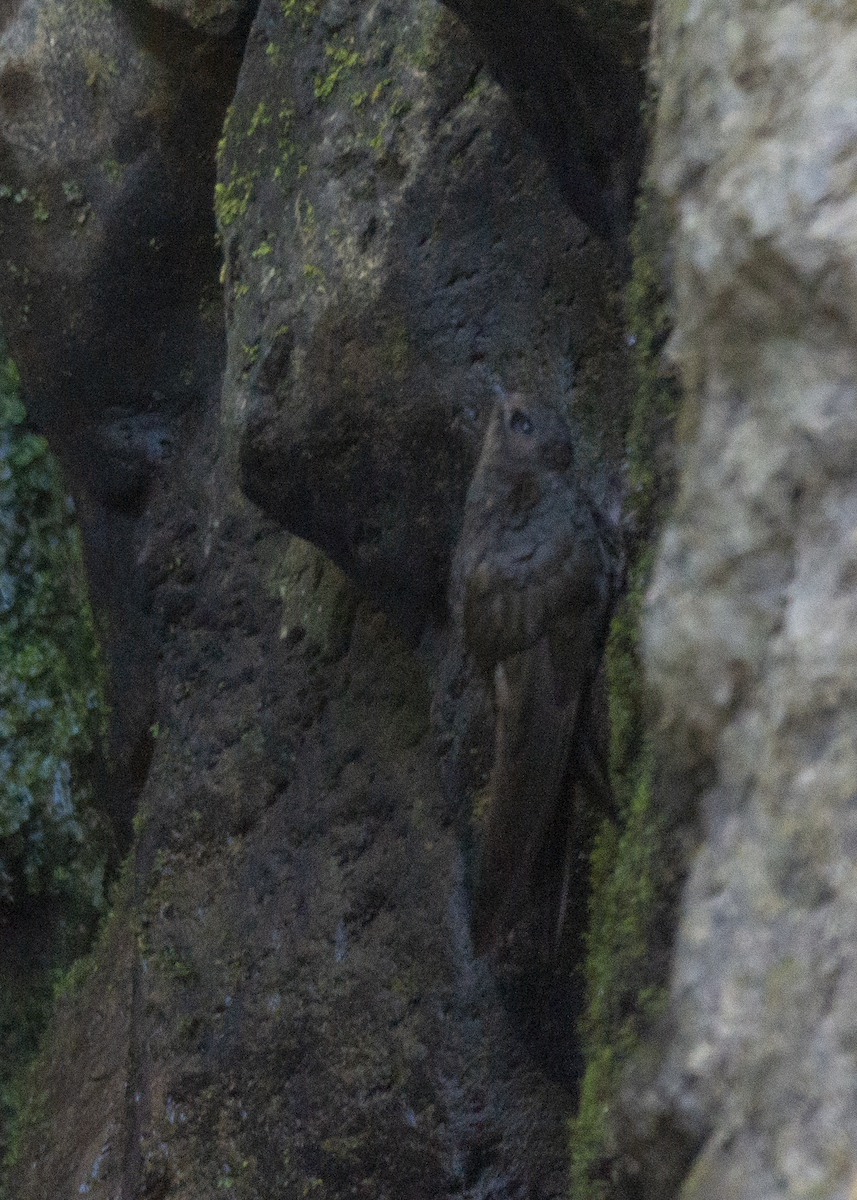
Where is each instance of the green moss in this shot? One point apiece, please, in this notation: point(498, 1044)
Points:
point(52, 710)
point(53, 842)
point(24, 195)
point(24, 1005)
point(404, 693)
point(170, 963)
point(28, 1105)
point(629, 872)
point(242, 146)
point(73, 192)
point(69, 983)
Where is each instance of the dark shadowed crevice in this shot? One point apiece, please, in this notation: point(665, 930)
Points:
point(125, 408)
point(577, 94)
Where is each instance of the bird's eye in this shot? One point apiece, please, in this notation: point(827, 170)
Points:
point(520, 422)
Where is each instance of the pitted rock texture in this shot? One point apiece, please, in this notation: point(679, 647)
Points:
point(285, 1000)
point(393, 245)
point(751, 628)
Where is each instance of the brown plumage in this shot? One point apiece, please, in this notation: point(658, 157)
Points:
point(537, 575)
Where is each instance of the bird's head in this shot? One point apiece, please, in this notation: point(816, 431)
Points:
point(535, 435)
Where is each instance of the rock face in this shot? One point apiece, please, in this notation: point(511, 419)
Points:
point(393, 245)
point(108, 123)
point(286, 1000)
point(750, 634)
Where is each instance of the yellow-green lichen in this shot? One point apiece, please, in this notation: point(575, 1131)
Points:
point(343, 59)
point(425, 43)
point(231, 199)
point(286, 117)
point(378, 90)
point(100, 71)
point(24, 195)
point(113, 170)
point(305, 214)
point(221, 145)
point(303, 11)
point(260, 117)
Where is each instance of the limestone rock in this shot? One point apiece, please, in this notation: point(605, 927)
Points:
point(751, 631)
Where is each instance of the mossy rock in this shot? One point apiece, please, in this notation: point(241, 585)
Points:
point(318, 599)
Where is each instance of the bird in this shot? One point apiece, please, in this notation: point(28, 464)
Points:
point(535, 573)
